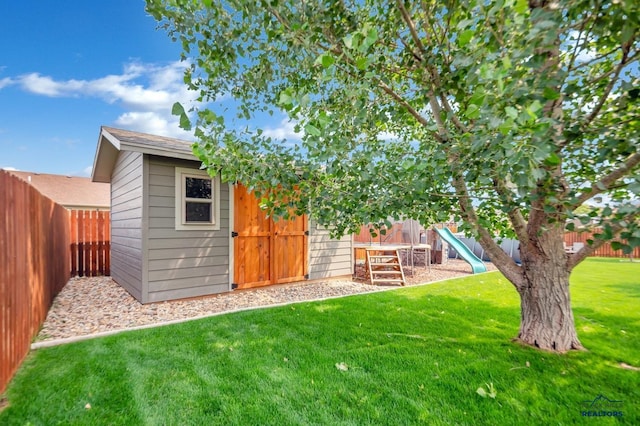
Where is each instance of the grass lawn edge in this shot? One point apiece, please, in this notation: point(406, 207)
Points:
point(74, 339)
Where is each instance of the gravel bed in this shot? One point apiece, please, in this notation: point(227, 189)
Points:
point(98, 304)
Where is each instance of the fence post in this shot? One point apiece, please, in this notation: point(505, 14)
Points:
point(94, 242)
point(107, 248)
point(73, 237)
point(101, 254)
point(81, 243)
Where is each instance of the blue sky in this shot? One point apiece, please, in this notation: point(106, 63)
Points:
point(68, 67)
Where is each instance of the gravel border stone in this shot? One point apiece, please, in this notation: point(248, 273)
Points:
point(97, 306)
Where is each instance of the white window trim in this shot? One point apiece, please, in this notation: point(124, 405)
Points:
point(180, 175)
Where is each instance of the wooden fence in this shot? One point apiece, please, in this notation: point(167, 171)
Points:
point(604, 250)
point(34, 266)
point(90, 243)
point(394, 236)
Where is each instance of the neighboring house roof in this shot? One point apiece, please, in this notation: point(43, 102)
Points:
point(111, 141)
point(72, 192)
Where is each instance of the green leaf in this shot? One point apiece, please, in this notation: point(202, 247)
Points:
point(370, 39)
point(533, 108)
point(286, 98)
point(550, 94)
point(506, 63)
point(506, 127)
point(490, 392)
point(361, 63)
point(521, 7)
point(312, 130)
point(472, 112)
point(552, 160)
point(511, 112)
point(464, 24)
point(185, 123)
point(177, 109)
point(628, 32)
point(325, 60)
point(348, 41)
point(634, 187)
point(465, 37)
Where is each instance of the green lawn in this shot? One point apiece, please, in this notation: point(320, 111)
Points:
point(412, 356)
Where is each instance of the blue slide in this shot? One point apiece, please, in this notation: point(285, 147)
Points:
point(462, 249)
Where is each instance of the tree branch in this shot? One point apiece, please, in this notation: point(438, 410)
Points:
point(630, 59)
point(502, 260)
point(432, 72)
point(412, 28)
point(607, 181)
point(515, 215)
point(583, 23)
point(574, 259)
point(451, 112)
point(607, 91)
point(389, 91)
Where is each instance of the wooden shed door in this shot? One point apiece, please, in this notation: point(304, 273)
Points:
point(266, 252)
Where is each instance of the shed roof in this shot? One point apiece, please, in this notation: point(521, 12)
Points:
point(72, 192)
point(111, 141)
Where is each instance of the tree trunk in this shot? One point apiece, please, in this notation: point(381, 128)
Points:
point(546, 320)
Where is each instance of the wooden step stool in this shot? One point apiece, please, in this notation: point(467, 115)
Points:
point(385, 267)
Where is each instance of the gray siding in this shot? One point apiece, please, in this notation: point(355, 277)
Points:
point(126, 223)
point(328, 257)
point(182, 264)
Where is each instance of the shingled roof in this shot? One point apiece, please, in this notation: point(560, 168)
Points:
point(112, 141)
point(72, 192)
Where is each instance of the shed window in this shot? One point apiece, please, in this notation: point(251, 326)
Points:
point(197, 200)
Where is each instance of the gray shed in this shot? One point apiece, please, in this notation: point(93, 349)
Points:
point(177, 233)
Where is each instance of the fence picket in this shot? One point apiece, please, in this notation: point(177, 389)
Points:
point(100, 243)
point(34, 236)
point(73, 228)
point(90, 251)
point(81, 237)
point(394, 235)
point(107, 245)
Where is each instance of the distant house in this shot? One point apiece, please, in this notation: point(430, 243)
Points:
point(176, 232)
point(72, 192)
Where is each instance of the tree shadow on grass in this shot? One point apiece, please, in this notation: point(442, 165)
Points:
point(363, 359)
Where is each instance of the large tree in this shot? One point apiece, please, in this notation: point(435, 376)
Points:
point(508, 114)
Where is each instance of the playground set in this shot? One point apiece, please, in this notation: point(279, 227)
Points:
point(406, 244)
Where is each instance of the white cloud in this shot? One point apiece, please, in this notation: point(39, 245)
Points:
point(9, 168)
point(286, 130)
point(388, 136)
point(87, 170)
point(583, 53)
point(153, 123)
point(146, 91)
point(5, 82)
point(144, 87)
point(35, 83)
